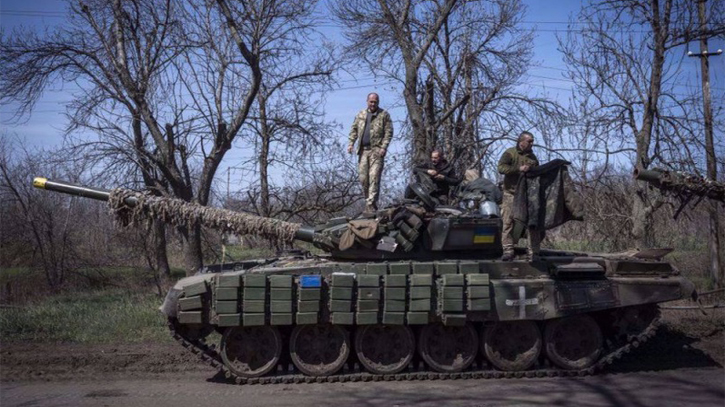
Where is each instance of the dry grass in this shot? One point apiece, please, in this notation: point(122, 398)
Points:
point(93, 306)
point(104, 316)
point(694, 321)
point(707, 330)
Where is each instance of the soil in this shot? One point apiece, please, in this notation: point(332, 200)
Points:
point(59, 361)
point(686, 339)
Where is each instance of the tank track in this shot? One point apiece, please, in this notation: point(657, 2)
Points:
point(207, 353)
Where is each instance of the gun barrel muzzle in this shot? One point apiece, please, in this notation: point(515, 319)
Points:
point(648, 175)
point(77, 190)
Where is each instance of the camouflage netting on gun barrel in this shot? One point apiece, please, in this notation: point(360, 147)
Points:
point(684, 184)
point(181, 213)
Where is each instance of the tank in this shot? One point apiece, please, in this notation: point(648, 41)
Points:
point(413, 291)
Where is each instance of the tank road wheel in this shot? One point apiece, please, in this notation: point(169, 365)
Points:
point(319, 350)
point(251, 351)
point(573, 342)
point(512, 345)
point(448, 349)
point(384, 349)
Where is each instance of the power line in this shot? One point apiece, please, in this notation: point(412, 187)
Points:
point(573, 81)
point(33, 11)
point(57, 14)
point(49, 14)
point(551, 67)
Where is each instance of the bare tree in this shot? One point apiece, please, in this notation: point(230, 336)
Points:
point(458, 63)
point(167, 85)
point(478, 59)
point(393, 38)
point(117, 52)
point(716, 270)
point(311, 193)
point(287, 124)
point(289, 133)
point(44, 228)
point(624, 62)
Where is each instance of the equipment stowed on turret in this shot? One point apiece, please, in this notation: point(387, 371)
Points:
point(416, 291)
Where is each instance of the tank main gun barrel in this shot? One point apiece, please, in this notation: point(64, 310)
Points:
point(682, 183)
point(651, 176)
point(98, 194)
point(302, 232)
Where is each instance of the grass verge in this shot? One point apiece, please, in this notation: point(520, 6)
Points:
point(102, 316)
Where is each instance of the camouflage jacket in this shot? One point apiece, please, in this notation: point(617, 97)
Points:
point(381, 129)
point(545, 198)
point(509, 164)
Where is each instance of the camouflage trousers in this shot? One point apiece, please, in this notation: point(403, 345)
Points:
point(507, 240)
point(369, 169)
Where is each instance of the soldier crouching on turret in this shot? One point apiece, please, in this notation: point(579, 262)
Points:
point(441, 174)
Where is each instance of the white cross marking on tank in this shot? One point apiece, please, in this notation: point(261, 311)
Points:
point(522, 302)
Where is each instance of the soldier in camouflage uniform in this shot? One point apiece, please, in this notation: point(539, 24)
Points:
point(441, 174)
point(373, 129)
point(514, 162)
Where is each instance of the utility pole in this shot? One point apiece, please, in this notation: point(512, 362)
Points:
point(716, 272)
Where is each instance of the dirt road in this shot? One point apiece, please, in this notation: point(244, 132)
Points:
point(684, 387)
point(679, 367)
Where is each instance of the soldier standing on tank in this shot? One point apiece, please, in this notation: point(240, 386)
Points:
point(513, 163)
point(373, 129)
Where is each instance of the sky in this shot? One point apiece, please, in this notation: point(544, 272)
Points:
point(45, 126)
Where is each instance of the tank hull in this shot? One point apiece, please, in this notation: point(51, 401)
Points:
point(478, 304)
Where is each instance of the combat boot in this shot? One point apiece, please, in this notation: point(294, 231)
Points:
point(508, 252)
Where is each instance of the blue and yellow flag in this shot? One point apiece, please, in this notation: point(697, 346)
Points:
point(484, 235)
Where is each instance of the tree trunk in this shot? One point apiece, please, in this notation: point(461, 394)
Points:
point(159, 249)
point(191, 247)
point(713, 243)
point(415, 112)
point(642, 219)
point(429, 118)
point(642, 210)
point(264, 156)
